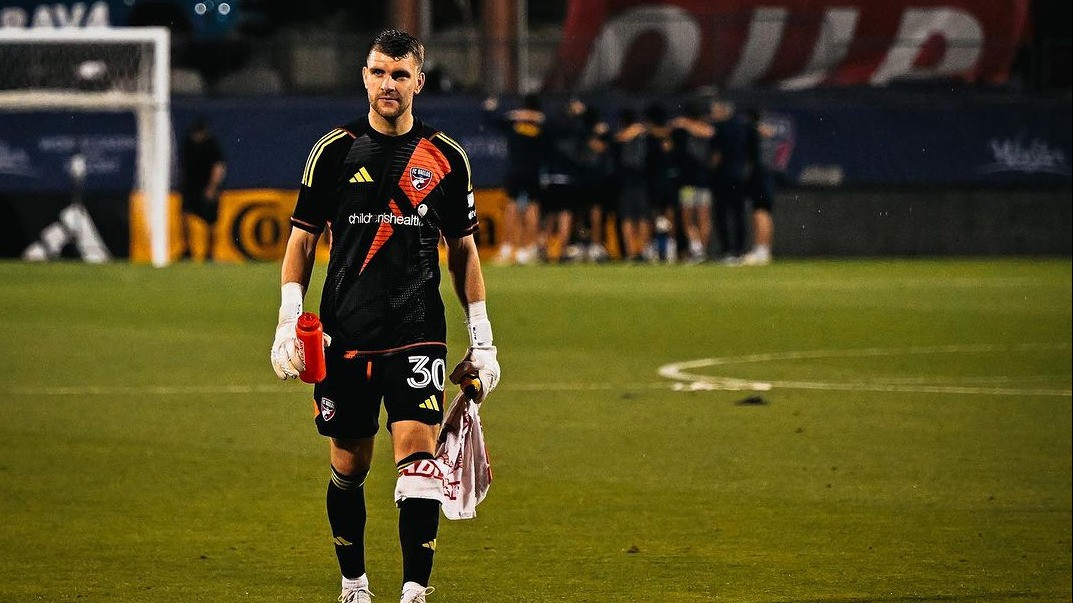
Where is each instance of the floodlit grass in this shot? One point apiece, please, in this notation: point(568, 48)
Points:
point(914, 446)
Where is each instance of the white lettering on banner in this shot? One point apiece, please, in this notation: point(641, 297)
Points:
point(961, 31)
point(93, 143)
point(700, 43)
point(677, 27)
point(15, 161)
point(822, 175)
point(759, 53)
point(1032, 157)
point(830, 50)
point(485, 145)
point(64, 18)
point(56, 15)
point(104, 153)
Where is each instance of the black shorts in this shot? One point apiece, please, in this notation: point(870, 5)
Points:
point(762, 191)
point(410, 383)
point(603, 195)
point(561, 197)
point(662, 196)
point(525, 186)
point(633, 200)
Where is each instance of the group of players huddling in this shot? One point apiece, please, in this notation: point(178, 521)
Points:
point(665, 180)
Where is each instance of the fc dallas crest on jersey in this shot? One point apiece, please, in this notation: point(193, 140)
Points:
point(419, 177)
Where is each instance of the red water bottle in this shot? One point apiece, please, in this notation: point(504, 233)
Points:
point(311, 337)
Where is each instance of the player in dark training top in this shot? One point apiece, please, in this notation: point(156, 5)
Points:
point(387, 188)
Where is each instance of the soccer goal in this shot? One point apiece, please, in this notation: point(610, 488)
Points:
point(97, 69)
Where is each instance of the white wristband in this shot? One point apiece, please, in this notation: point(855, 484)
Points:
point(291, 305)
point(480, 329)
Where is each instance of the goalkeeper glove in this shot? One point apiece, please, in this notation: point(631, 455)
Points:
point(482, 355)
point(287, 361)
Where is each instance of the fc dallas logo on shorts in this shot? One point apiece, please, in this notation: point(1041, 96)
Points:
point(419, 177)
point(327, 409)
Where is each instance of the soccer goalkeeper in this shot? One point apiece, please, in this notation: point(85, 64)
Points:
point(387, 187)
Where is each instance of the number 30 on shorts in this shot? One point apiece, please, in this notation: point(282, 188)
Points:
point(425, 374)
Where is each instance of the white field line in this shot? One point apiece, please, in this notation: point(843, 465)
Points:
point(677, 372)
point(188, 390)
point(142, 390)
point(687, 381)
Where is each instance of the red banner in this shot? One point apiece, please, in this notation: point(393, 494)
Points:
point(792, 44)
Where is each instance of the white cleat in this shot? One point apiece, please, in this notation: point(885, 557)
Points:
point(756, 258)
point(597, 253)
point(572, 253)
point(525, 255)
point(505, 256)
point(356, 591)
point(413, 592)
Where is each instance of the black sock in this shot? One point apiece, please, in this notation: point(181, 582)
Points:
point(346, 514)
point(419, 519)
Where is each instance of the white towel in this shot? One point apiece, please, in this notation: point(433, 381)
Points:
point(461, 449)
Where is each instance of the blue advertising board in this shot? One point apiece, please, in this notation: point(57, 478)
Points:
point(936, 144)
point(836, 142)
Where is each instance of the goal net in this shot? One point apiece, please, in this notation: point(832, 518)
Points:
point(98, 69)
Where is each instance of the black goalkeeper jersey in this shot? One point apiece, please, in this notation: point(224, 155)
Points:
point(387, 200)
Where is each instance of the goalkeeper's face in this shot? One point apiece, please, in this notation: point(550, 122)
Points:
point(392, 83)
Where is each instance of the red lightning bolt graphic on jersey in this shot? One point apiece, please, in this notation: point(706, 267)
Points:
point(383, 233)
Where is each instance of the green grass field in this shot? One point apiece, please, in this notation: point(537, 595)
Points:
point(915, 444)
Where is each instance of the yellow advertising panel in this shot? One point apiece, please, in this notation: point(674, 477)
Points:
point(254, 224)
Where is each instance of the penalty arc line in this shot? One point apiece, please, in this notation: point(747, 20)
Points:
point(687, 381)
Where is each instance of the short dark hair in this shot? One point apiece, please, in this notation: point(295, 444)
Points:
point(397, 44)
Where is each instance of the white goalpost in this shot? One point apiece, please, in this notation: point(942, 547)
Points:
point(101, 69)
